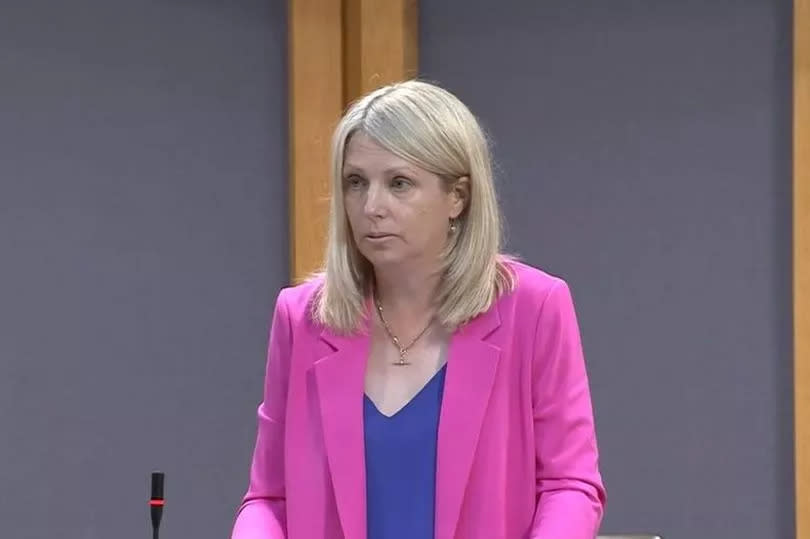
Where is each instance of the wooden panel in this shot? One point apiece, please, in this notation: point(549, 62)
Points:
point(801, 260)
point(381, 44)
point(315, 104)
point(338, 50)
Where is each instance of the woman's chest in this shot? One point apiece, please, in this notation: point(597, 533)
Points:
point(391, 385)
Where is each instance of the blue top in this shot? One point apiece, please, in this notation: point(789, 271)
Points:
point(401, 465)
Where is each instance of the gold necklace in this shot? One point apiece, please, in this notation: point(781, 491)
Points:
point(394, 339)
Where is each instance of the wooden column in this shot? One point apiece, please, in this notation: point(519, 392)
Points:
point(801, 261)
point(381, 44)
point(315, 103)
point(338, 51)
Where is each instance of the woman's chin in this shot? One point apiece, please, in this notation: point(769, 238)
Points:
point(382, 259)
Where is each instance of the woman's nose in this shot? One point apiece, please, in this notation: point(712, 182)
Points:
point(375, 200)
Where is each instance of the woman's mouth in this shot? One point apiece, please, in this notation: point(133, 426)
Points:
point(378, 237)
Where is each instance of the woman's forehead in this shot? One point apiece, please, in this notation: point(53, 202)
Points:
point(363, 154)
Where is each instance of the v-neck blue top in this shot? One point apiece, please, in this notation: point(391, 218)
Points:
point(401, 465)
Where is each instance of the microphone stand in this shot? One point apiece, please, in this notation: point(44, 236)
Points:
point(156, 503)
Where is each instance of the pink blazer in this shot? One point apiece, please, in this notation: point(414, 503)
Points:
point(517, 454)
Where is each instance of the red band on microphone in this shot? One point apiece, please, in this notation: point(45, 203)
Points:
point(158, 503)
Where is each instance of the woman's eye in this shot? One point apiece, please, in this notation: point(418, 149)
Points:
point(400, 183)
point(354, 182)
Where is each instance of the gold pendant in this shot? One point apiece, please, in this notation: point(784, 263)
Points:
point(402, 362)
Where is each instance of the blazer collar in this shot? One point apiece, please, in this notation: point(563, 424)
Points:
point(340, 381)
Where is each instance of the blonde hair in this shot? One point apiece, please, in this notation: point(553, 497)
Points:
point(430, 127)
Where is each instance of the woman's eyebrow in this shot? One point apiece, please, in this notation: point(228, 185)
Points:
point(401, 170)
point(352, 169)
point(349, 168)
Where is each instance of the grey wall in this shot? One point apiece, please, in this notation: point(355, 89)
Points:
point(143, 236)
point(644, 156)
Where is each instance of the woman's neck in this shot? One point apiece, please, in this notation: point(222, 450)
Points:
point(408, 297)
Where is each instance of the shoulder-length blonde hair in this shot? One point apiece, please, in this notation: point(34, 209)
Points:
point(430, 127)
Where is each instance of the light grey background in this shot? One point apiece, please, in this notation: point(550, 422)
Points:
point(644, 153)
point(143, 237)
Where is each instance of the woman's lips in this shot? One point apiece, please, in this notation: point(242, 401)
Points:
point(378, 237)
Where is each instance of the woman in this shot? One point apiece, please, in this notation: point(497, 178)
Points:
point(424, 385)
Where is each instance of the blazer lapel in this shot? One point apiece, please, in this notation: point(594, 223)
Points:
point(340, 380)
point(340, 376)
point(471, 368)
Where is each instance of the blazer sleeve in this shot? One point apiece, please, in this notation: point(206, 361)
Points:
point(262, 514)
point(570, 494)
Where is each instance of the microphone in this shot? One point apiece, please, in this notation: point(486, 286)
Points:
point(156, 502)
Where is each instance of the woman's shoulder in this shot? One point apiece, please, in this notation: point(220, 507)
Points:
point(531, 282)
point(296, 300)
point(537, 293)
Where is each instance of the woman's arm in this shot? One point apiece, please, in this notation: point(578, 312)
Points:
point(262, 514)
point(570, 494)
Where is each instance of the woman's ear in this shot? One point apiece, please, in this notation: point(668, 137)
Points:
point(460, 196)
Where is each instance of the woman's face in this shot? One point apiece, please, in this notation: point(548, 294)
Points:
point(398, 212)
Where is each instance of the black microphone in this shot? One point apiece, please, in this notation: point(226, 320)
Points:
point(156, 502)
